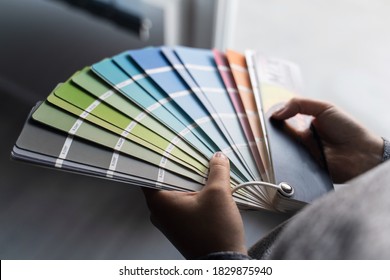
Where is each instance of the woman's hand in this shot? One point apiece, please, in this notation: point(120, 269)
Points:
point(349, 148)
point(199, 223)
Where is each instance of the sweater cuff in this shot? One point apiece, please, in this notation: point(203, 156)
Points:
point(386, 150)
point(226, 256)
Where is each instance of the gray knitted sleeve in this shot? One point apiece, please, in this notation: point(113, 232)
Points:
point(386, 150)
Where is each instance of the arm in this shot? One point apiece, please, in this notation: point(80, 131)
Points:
point(349, 148)
point(204, 222)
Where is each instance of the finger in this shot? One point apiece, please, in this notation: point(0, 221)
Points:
point(156, 199)
point(313, 144)
point(219, 175)
point(150, 195)
point(302, 106)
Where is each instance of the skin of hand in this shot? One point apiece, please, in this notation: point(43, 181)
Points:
point(199, 223)
point(349, 148)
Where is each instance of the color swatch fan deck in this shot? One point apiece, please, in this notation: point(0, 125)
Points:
point(154, 117)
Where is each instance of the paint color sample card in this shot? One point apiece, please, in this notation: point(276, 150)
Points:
point(154, 117)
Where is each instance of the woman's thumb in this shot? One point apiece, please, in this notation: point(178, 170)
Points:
point(219, 174)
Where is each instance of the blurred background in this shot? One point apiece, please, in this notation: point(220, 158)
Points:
point(341, 45)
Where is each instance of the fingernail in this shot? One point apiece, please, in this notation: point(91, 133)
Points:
point(219, 155)
point(279, 111)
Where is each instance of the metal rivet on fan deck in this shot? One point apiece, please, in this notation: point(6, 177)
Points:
point(286, 189)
